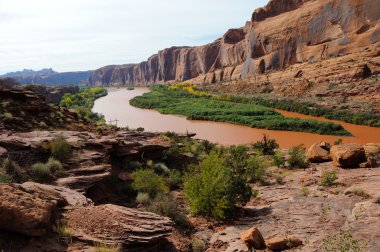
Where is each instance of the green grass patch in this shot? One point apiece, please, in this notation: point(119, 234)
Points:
point(197, 107)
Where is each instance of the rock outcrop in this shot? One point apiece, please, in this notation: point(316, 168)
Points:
point(23, 110)
point(112, 224)
point(52, 94)
point(23, 212)
point(347, 155)
point(287, 48)
point(283, 243)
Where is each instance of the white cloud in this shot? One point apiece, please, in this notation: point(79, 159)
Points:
point(87, 34)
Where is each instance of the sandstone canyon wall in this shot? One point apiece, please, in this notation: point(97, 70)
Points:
point(285, 38)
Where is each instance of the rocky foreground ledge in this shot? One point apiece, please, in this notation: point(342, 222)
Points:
point(35, 210)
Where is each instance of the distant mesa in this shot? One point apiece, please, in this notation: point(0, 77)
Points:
point(48, 76)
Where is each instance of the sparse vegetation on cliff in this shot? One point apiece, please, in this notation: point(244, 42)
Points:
point(202, 107)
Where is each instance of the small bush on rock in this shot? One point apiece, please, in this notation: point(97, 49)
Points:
point(297, 157)
point(166, 205)
point(55, 167)
point(60, 149)
point(143, 198)
point(329, 177)
point(147, 181)
point(41, 173)
point(12, 171)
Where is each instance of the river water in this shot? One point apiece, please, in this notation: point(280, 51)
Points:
point(116, 106)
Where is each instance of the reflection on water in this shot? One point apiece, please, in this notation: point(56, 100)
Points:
point(116, 106)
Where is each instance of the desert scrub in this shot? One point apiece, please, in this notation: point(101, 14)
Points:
point(343, 242)
point(102, 247)
point(198, 245)
point(12, 171)
point(142, 198)
point(279, 159)
point(55, 167)
point(147, 181)
point(211, 189)
point(175, 179)
point(40, 172)
point(166, 205)
point(305, 191)
point(266, 146)
point(194, 107)
point(297, 157)
point(60, 149)
point(329, 176)
point(255, 170)
point(359, 192)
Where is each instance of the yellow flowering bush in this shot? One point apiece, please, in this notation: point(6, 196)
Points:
point(190, 88)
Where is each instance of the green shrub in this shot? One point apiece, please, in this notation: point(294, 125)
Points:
point(266, 146)
point(5, 178)
point(175, 179)
point(140, 129)
point(279, 159)
point(55, 167)
point(328, 177)
point(166, 205)
point(207, 146)
point(256, 169)
point(213, 190)
point(148, 182)
point(297, 157)
point(143, 198)
point(40, 172)
point(161, 168)
point(237, 158)
point(343, 242)
point(60, 149)
point(13, 171)
point(134, 165)
point(172, 153)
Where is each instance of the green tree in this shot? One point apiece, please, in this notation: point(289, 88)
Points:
point(213, 190)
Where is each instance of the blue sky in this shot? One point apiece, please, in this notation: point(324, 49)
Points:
point(73, 35)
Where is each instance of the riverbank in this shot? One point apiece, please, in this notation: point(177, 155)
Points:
point(198, 105)
point(116, 106)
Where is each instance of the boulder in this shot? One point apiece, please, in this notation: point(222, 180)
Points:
point(282, 243)
point(372, 150)
point(117, 224)
point(252, 238)
point(61, 196)
point(23, 212)
point(319, 152)
point(347, 155)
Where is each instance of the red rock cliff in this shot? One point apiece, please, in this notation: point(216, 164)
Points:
point(282, 34)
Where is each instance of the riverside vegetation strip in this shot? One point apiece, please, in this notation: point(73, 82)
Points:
point(196, 104)
point(83, 102)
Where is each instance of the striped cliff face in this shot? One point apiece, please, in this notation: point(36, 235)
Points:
point(281, 34)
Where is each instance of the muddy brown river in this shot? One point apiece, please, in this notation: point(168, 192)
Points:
point(116, 106)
